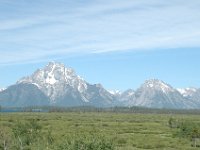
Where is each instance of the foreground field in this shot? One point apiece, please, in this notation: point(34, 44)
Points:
point(120, 131)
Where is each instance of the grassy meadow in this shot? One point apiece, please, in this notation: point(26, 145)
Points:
point(92, 130)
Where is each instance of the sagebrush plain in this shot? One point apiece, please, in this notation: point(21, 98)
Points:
point(71, 130)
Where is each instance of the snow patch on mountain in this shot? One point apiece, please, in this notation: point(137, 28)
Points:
point(2, 89)
point(54, 78)
point(187, 91)
point(156, 94)
point(158, 85)
point(50, 78)
point(115, 92)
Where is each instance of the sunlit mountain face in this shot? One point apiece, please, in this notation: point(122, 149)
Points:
point(58, 85)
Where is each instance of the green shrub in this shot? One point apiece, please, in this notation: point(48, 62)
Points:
point(29, 135)
point(88, 142)
point(190, 130)
point(173, 123)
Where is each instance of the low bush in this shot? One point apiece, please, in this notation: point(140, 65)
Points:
point(87, 142)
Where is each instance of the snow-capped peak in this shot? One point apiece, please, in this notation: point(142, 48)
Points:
point(187, 91)
point(158, 85)
point(55, 72)
point(53, 78)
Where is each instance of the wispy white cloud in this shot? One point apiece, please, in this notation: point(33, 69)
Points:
point(47, 29)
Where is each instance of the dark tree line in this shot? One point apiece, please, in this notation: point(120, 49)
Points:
point(142, 110)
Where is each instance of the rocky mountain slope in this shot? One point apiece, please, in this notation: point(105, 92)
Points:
point(192, 94)
point(57, 85)
point(156, 94)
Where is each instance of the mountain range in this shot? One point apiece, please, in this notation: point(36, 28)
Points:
point(57, 85)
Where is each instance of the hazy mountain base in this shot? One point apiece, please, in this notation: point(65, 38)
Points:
point(83, 109)
point(73, 130)
point(26, 94)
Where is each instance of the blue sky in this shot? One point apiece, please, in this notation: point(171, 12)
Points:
point(119, 43)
